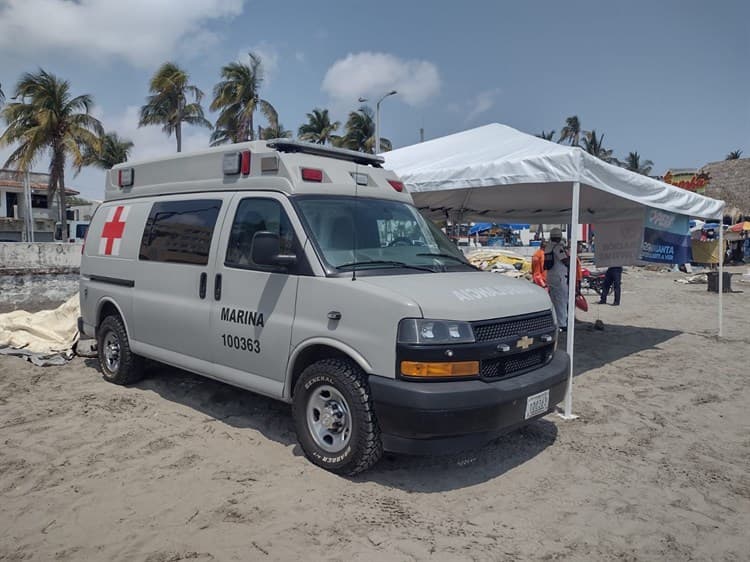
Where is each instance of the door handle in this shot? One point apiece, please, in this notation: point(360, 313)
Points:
point(217, 287)
point(202, 286)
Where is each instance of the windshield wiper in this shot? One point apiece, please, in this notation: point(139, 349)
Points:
point(386, 263)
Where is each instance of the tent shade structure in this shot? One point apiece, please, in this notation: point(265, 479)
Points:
point(496, 173)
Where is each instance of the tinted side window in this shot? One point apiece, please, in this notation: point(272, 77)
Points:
point(256, 215)
point(180, 231)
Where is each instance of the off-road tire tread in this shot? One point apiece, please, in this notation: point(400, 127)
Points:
point(131, 365)
point(369, 449)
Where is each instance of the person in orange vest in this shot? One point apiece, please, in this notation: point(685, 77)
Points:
point(538, 274)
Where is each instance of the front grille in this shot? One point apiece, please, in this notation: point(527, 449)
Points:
point(513, 327)
point(503, 367)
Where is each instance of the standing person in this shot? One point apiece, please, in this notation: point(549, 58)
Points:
point(538, 274)
point(556, 262)
point(612, 277)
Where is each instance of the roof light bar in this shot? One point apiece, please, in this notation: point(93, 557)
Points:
point(330, 152)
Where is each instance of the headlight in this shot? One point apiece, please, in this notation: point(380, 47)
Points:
point(434, 332)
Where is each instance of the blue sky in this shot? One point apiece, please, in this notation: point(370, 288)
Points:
point(669, 79)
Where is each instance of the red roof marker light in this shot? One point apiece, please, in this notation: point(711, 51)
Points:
point(311, 174)
point(245, 167)
point(397, 185)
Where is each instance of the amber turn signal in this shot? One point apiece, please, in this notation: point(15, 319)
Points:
point(440, 369)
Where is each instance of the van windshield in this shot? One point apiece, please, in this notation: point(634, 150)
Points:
point(376, 233)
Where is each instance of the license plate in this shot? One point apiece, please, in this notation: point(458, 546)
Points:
point(537, 404)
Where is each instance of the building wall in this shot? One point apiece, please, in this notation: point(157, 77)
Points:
point(40, 257)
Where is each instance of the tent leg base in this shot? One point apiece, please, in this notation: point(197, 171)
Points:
point(567, 417)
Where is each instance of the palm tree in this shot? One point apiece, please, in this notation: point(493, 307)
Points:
point(318, 128)
point(634, 164)
point(595, 145)
point(168, 103)
point(571, 132)
point(278, 132)
point(237, 97)
point(734, 155)
point(114, 150)
point(49, 120)
point(360, 132)
point(546, 136)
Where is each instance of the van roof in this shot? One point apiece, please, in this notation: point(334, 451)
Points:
point(279, 165)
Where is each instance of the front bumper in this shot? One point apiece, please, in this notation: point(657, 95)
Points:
point(447, 417)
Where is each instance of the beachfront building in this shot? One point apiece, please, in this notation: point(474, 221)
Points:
point(726, 179)
point(13, 207)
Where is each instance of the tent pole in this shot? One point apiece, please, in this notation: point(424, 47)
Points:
point(570, 339)
point(721, 273)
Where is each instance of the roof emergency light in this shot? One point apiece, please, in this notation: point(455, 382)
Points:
point(231, 163)
point(245, 160)
point(360, 178)
point(311, 174)
point(397, 185)
point(125, 177)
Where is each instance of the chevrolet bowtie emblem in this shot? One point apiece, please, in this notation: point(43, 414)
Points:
point(524, 342)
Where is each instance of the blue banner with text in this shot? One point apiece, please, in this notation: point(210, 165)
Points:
point(666, 238)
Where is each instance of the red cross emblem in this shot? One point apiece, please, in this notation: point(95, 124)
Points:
point(114, 226)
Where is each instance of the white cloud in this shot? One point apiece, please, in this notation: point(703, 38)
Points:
point(269, 57)
point(151, 141)
point(482, 102)
point(373, 74)
point(300, 56)
point(139, 31)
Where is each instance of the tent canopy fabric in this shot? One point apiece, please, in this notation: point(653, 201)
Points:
point(497, 172)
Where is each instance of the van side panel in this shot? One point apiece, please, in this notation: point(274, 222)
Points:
point(107, 263)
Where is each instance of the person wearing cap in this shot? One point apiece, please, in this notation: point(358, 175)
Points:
point(556, 262)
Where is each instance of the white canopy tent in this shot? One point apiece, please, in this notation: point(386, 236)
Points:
point(497, 172)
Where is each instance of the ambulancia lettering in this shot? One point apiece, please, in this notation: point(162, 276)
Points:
point(239, 316)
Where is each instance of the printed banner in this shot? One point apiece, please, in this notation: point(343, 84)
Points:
point(618, 243)
point(666, 238)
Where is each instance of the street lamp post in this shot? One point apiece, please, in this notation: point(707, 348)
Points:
point(377, 118)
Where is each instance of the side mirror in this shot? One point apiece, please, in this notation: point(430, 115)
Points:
point(266, 250)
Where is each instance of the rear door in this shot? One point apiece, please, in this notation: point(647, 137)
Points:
point(172, 304)
point(253, 305)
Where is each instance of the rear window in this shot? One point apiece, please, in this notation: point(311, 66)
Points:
point(180, 231)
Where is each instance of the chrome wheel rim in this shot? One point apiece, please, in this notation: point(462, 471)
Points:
point(111, 350)
point(329, 419)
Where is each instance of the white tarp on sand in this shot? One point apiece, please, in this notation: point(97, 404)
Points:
point(44, 337)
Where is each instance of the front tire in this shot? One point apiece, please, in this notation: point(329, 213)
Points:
point(334, 417)
point(118, 363)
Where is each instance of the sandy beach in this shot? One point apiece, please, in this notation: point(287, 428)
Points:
point(184, 468)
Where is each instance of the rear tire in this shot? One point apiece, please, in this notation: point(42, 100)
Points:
point(118, 363)
point(334, 417)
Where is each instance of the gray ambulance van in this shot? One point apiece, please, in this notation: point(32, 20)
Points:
point(306, 274)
